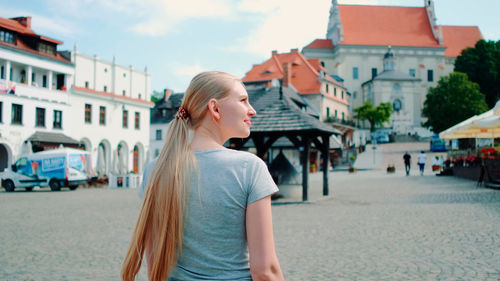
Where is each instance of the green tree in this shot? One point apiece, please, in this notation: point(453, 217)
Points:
point(156, 96)
point(482, 65)
point(374, 115)
point(454, 99)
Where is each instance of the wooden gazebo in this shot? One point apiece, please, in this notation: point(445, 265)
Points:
point(282, 112)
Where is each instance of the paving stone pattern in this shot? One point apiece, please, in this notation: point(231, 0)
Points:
point(373, 226)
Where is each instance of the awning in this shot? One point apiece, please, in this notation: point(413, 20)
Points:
point(54, 138)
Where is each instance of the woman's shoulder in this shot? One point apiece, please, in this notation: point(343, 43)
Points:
point(229, 155)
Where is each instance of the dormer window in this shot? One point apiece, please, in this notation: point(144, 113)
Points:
point(6, 36)
point(47, 48)
point(267, 72)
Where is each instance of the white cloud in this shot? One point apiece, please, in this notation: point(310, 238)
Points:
point(187, 70)
point(165, 15)
point(383, 2)
point(41, 24)
point(286, 25)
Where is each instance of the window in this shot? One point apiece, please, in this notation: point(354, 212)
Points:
point(140, 96)
point(1, 112)
point(327, 112)
point(102, 115)
point(44, 81)
point(343, 116)
point(33, 77)
point(124, 74)
point(124, 92)
point(137, 124)
point(47, 48)
point(6, 36)
point(430, 75)
point(105, 69)
point(342, 94)
point(327, 88)
point(374, 72)
point(105, 88)
point(40, 117)
point(354, 95)
point(88, 113)
point(335, 92)
point(125, 119)
point(336, 113)
point(17, 114)
point(57, 119)
point(157, 152)
point(355, 73)
point(158, 134)
point(86, 84)
point(2, 72)
point(412, 72)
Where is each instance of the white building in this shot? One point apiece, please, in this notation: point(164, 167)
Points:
point(110, 112)
point(49, 98)
point(34, 78)
point(358, 36)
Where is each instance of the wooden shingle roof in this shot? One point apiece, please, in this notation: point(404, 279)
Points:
point(280, 113)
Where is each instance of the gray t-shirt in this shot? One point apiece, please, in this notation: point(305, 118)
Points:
point(214, 241)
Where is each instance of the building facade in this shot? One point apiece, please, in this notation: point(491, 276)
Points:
point(162, 114)
point(111, 106)
point(50, 98)
point(324, 94)
point(358, 36)
point(34, 90)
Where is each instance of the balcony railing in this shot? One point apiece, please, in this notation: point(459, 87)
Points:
point(37, 93)
point(340, 121)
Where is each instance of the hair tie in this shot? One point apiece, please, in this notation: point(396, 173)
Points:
point(182, 114)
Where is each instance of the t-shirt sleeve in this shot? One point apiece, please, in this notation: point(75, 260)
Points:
point(261, 182)
point(145, 178)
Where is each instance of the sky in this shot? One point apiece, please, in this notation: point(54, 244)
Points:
point(176, 39)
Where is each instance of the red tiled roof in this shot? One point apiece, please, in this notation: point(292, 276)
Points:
point(386, 25)
point(112, 95)
point(18, 28)
point(457, 38)
point(320, 44)
point(304, 76)
point(15, 26)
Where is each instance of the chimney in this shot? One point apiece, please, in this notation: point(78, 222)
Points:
point(26, 21)
point(295, 50)
point(287, 74)
point(166, 94)
point(274, 53)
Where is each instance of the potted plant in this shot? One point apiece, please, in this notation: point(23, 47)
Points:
point(352, 158)
point(312, 168)
point(391, 168)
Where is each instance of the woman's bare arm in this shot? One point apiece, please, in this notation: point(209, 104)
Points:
point(264, 264)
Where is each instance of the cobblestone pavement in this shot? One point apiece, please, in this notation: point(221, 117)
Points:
point(373, 226)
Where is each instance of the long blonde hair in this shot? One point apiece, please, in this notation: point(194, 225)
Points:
point(161, 215)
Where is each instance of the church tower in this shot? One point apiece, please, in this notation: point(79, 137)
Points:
point(431, 15)
point(335, 31)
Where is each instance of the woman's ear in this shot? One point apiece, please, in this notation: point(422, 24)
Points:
point(213, 108)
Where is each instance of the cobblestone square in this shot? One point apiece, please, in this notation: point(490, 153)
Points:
point(373, 226)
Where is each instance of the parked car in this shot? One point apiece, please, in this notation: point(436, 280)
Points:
point(54, 168)
point(382, 138)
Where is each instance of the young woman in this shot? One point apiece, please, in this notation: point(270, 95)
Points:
point(206, 213)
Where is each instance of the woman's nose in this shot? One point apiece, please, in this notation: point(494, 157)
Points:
point(252, 111)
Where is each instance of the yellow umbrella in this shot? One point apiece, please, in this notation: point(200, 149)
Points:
point(478, 126)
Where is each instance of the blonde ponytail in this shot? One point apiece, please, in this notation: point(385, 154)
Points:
point(161, 216)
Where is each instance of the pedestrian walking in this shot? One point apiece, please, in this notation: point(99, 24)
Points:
point(407, 159)
point(421, 162)
point(206, 212)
